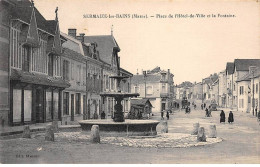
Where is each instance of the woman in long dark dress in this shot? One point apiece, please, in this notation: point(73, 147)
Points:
point(222, 116)
point(230, 117)
point(207, 112)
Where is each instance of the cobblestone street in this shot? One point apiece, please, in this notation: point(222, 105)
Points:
point(241, 144)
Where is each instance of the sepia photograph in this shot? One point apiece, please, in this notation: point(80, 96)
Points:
point(130, 82)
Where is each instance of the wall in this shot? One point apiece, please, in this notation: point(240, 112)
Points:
point(244, 96)
point(4, 68)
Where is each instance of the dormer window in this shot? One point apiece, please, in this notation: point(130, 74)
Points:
point(163, 77)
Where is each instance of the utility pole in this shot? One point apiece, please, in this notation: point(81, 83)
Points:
point(202, 96)
point(145, 75)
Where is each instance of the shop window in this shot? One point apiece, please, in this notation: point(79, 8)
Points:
point(78, 105)
point(66, 103)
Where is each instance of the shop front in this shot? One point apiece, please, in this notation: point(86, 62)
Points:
point(35, 98)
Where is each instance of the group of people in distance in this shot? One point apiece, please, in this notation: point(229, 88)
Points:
point(167, 114)
point(223, 117)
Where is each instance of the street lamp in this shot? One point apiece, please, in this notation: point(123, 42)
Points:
point(145, 75)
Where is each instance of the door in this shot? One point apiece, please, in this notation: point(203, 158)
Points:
point(39, 106)
point(72, 107)
point(84, 107)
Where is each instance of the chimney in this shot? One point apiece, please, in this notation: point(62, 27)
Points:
point(72, 32)
point(81, 37)
point(252, 69)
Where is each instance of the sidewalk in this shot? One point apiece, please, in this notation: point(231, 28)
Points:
point(13, 130)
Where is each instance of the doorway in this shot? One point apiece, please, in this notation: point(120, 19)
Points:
point(72, 107)
point(39, 101)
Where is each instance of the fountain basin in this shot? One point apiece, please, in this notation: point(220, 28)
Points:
point(127, 128)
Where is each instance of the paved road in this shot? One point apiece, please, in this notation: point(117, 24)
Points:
point(241, 144)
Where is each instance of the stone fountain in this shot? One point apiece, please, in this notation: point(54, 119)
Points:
point(119, 126)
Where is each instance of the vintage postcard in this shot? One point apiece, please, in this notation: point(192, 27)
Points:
point(129, 82)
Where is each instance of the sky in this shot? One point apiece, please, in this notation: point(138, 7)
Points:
point(192, 48)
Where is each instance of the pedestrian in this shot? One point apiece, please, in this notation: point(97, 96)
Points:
point(201, 106)
point(103, 115)
point(222, 116)
point(167, 115)
point(207, 112)
point(162, 115)
point(195, 106)
point(230, 117)
point(256, 111)
point(204, 105)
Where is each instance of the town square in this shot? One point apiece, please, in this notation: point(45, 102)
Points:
point(129, 86)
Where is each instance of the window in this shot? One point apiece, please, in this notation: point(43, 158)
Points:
point(163, 77)
point(163, 88)
point(106, 82)
point(241, 90)
point(50, 65)
point(26, 58)
point(112, 83)
point(84, 75)
point(149, 90)
point(78, 105)
point(15, 48)
point(57, 66)
point(78, 73)
point(66, 103)
point(72, 71)
point(256, 88)
point(66, 70)
point(136, 89)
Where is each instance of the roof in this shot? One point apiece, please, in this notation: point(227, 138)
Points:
point(125, 71)
point(249, 76)
point(244, 64)
point(136, 79)
point(105, 45)
point(155, 70)
point(140, 102)
point(72, 44)
point(230, 68)
point(23, 11)
point(244, 78)
point(73, 55)
point(39, 79)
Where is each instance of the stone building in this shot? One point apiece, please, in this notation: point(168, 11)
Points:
point(248, 91)
point(157, 86)
point(108, 50)
point(209, 88)
point(235, 71)
point(222, 95)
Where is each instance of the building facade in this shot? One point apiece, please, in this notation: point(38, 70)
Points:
point(157, 86)
point(34, 65)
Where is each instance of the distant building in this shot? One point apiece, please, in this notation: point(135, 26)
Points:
point(209, 88)
point(157, 86)
point(234, 72)
point(248, 91)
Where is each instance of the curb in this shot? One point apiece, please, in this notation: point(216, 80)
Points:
point(40, 129)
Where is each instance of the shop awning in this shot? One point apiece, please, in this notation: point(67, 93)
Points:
point(38, 79)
